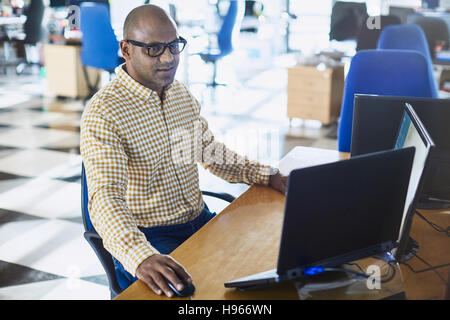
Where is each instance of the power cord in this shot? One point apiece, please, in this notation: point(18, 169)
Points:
point(430, 268)
point(434, 225)
point(385, 277)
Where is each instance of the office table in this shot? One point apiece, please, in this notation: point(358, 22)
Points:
point(244, 239)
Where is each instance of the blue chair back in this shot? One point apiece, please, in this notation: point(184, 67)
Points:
point(95, 240)
point(229, 25)
point(382, 72)
point(100, 47)
point(85, 202)
point(408, 37)
point(404, 36)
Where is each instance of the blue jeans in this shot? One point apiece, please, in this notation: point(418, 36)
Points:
point(165, 239)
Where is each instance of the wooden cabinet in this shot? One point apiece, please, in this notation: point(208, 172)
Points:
point(315, 94)
point(64, 71)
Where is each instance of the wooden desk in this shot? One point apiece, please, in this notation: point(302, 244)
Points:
point(244, 239)
point(434, 248)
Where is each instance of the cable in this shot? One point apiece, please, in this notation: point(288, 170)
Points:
point(355, 264)
point(431, 268)
point(434, 225)
point(426, 269)
point(392, 276)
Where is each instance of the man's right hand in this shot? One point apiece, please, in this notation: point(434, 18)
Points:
point(157, 268)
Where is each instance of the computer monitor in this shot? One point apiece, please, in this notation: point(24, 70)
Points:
point(412, 133)
point(58, 3)
point(401, 12)
point(375, 124)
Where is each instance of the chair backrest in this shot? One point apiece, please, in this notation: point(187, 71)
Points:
point(382, 72)
point(368, 38)
point(404, 36)
point(95, 240)
point(347, 19)
point(436, 32)
point(408, 37)
point(100, 47)
point(85, 202)
point(33, 25)
point(230, 26)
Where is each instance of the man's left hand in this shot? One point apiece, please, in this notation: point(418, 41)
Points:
point(278, 182)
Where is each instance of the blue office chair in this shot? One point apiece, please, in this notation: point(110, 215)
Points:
point(408, 37)
point(94, 239)
point(382, 72)
point(100, 47)
point(229, 27)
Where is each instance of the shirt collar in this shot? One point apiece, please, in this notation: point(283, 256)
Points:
point(135, 87)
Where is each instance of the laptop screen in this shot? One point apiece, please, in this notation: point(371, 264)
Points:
point(412, 134)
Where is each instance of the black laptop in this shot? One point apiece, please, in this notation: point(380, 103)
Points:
point(339, 212)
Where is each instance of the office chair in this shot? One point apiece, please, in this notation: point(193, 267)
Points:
point(100, 47)
point(408, 37)
point(347, 19)
point(368, 38)
point(228, 30)
point(32, 32)
point(95, 241)
point(382, 72)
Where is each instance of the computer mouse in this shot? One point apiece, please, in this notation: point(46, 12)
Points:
point(188, 289)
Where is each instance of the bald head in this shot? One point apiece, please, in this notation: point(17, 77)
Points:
point(149, 25)
point(144, 19)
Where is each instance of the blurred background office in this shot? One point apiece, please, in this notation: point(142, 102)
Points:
point(270, 75)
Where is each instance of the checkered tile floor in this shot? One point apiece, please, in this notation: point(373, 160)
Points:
point(43, 254)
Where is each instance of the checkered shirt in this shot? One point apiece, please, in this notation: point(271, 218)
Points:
point(141, 155)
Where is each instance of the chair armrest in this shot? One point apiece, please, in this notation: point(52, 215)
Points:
point(222, 195)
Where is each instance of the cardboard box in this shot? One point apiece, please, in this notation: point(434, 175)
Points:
point(64, 71)
point(314, 93)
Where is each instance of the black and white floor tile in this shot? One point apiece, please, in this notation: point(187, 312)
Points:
point(43, 254)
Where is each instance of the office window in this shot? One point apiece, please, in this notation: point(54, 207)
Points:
point(310, 30)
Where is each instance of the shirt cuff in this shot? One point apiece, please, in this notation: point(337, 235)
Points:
point(262, 175)
point(137, 255)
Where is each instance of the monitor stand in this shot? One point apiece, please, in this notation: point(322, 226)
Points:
point(411, 249)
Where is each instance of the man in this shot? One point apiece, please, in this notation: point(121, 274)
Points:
point(143, 201)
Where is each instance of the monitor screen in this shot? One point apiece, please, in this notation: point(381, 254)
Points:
point(369, 136)
point(413, 134)
point(58, 3)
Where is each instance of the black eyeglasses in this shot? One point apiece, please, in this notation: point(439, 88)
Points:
point(156, 49)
